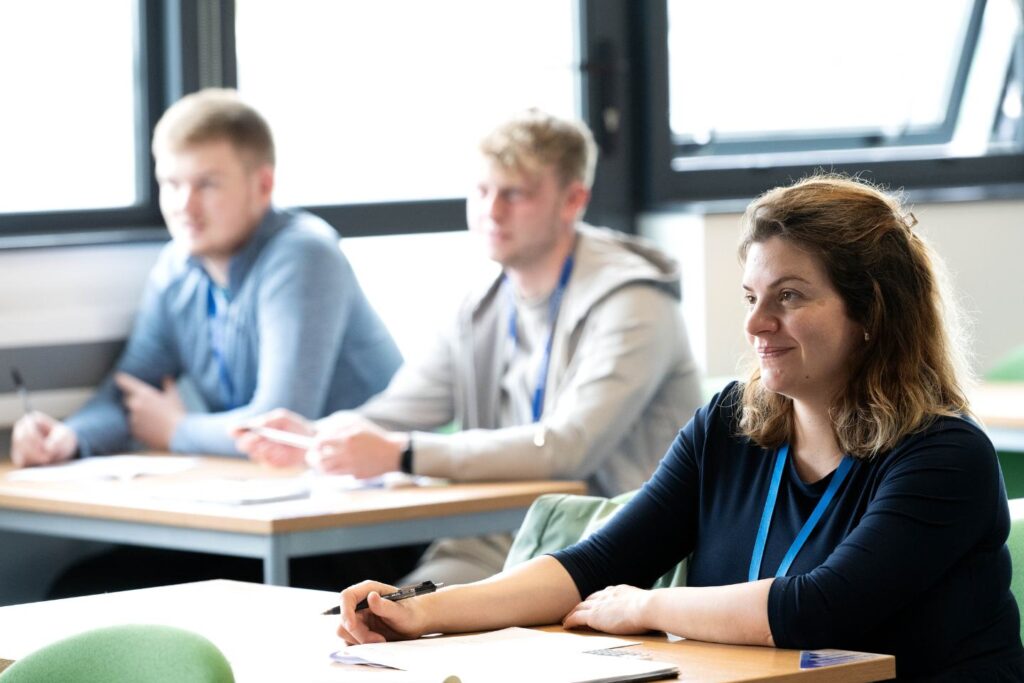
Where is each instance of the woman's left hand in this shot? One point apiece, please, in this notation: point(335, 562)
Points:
point(620, 610)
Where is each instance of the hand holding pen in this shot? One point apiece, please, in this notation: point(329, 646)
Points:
point(37, 438)
point(403, 593)
point(384, 619)
point(280, 438)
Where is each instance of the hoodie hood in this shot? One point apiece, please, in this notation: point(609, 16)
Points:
point(605, 260)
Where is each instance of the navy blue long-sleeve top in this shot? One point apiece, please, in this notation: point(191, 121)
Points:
point(909, 559)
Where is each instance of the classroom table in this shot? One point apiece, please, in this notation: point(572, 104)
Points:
point(139, 512)
point(274, 633)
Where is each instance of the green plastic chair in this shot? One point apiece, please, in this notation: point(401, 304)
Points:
point(1009, 368)
point(558, 520)
point(1016, 545)
point(131, 653)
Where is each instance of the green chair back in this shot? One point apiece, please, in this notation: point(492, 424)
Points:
point(131, 653)
point(1009, 368)
point(1016, 545)
point(557, 520)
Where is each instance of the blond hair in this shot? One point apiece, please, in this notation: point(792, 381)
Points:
point(215, 114)
point(533, 138)
point(911, 367)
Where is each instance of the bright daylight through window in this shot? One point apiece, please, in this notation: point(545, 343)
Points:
point(802, 81)
point(67, 127)
point(369, 109)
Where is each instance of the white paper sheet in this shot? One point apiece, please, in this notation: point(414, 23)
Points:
point(513, 654)
point(122, 467)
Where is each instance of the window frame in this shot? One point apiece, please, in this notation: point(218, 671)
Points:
point(184, 45)
point(935, 178)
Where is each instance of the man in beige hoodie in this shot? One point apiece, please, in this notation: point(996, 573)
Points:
point(572, 362)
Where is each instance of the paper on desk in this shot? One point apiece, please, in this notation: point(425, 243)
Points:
point(513, 654)
point(121, 467)
point(258, 490)
point(236, 491)
point(388, 480)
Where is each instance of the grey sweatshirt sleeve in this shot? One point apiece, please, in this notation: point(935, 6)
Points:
point(630, 341)
point(304, 296)
point(102, 424)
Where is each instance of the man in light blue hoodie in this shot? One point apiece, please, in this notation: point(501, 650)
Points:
point(256, 307)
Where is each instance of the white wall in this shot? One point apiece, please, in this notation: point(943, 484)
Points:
point(982, 244)
point(81, 294)
point(64, 296)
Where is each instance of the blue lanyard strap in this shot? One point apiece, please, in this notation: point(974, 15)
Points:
point(554, 304)
point(217, 314)
point(808, 527)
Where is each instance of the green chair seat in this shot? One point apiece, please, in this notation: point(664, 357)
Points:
point(558, 520)
point(131, 653)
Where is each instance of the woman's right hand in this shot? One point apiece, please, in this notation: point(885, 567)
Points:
point(267, 452)
point(382, 620)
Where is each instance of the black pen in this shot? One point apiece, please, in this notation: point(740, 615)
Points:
point(22, 390)
point(403, 593)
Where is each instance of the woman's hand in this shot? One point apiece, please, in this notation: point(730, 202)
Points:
point(621, 610)
point(383, 619)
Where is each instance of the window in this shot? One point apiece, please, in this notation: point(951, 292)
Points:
point(370, 101)
point(805, 84)
point(68, 127)
point(759, 93)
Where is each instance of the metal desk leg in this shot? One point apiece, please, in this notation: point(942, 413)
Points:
point(275, 564)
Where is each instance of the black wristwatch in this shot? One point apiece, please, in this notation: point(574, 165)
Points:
point(405, 464)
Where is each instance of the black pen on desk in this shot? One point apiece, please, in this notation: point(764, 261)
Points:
point(19, 384)
point(403, 593)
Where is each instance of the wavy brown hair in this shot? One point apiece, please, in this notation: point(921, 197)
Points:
point(911, 368)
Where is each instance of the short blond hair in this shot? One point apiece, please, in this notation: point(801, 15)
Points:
point(533, 138)
point(215, 114)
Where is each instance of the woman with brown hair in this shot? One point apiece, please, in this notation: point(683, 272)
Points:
point(840, 497)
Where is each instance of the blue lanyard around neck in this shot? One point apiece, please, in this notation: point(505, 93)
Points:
point(554, 304)
point(812, 521)
point(217, 315)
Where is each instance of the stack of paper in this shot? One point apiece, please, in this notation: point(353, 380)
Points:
point(513, 654)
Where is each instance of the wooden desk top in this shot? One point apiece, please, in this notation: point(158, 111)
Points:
point(999, 404)
point(143, 500)
point(272, 633)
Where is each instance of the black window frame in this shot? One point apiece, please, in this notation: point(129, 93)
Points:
point(185, 45)
point(939, 179)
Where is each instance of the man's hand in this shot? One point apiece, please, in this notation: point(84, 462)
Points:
point(153, 414)
point(268, 452)
point(359, 447)
point(38, 439)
